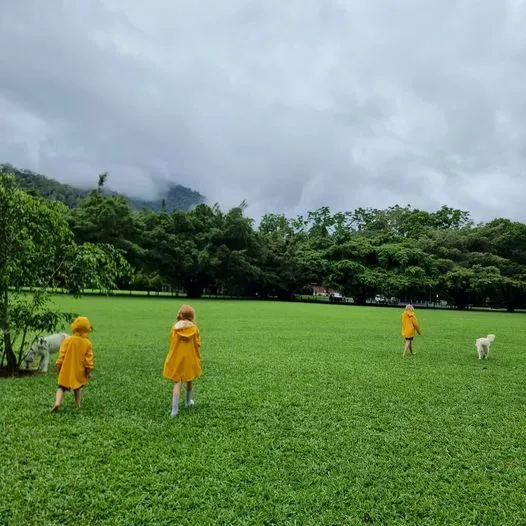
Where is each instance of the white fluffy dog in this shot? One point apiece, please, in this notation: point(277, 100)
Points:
point(482, 345)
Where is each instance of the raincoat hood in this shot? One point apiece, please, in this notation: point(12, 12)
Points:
point(185, 329)
point(81, 326)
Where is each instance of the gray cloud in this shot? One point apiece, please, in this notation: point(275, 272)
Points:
point(289, 105)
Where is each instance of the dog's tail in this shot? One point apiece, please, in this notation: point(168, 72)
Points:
point(490, 337)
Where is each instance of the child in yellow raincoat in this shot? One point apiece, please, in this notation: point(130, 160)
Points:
point(409, 326)
point(75, 362)
point(183, 363)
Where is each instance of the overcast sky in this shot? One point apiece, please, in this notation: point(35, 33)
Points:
point(289, 104)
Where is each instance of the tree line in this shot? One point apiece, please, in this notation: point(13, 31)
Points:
point(399, 251)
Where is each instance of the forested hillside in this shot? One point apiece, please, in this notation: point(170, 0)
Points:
point(176, 197)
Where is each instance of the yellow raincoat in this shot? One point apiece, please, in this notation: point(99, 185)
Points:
point(75, 357)
point(409, 324)
point(183, 362)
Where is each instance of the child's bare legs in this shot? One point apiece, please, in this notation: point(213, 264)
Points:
point(189, 402)
point(59, 398)
point(408, 347)
point(177, 388)
point(77, 393)
point(175, 398)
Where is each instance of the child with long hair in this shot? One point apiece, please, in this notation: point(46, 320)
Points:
point(183, 362)
point(410, 325)
point(75, 362)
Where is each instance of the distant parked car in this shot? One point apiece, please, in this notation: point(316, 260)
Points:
point(335, 297)
point(379, 298)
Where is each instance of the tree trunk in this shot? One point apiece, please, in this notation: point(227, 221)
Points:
point(194, 290)
point(510, 300)
point(461, 300)
point(284, 295)
point(4, 325)
point(361, 299)
point(9, 354)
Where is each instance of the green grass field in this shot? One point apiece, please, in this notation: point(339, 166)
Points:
point(305, 414)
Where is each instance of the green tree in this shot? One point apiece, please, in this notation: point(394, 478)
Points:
point(239, 251)
point(198, 232)
point(411, 272)
point(102, 218)
point(291, 258)
point(355, 269)
point(501, 243)
point(32, 233)
point(36, 250)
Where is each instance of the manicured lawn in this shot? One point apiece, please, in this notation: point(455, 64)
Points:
point(305, 414)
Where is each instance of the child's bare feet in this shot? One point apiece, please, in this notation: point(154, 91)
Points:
point(59, 398)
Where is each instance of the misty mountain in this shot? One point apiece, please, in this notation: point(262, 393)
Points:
point(175, 196)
